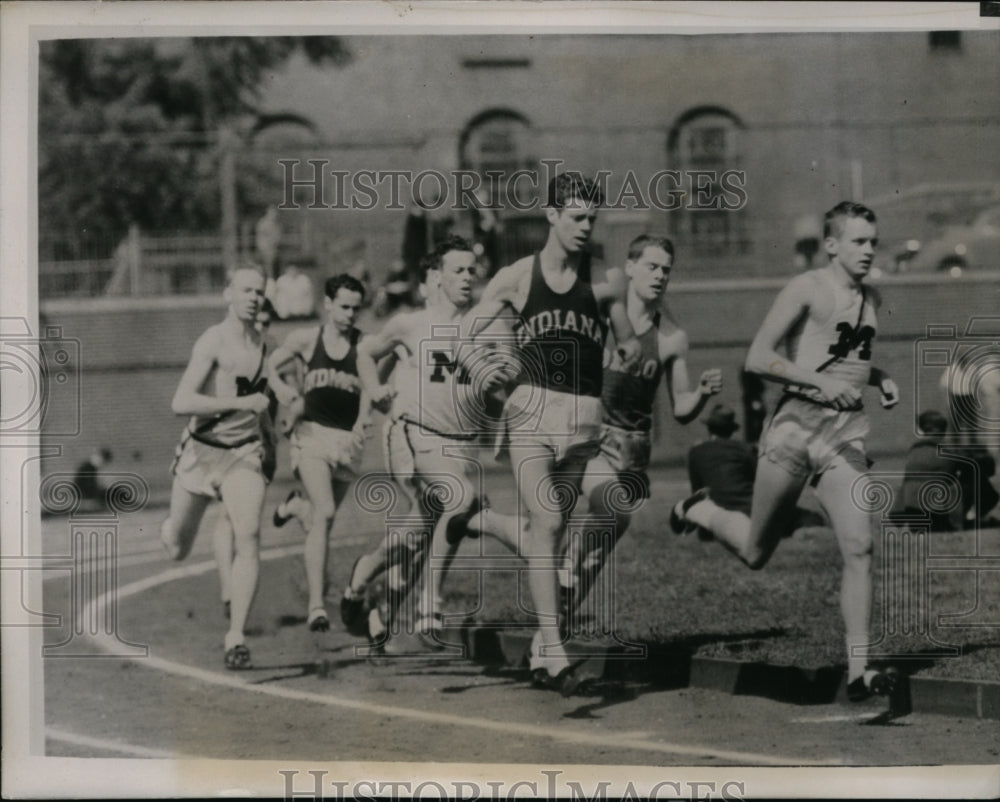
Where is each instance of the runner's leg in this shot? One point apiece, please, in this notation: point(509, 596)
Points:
point(178, 531)
point(222, 545)
point(316, 479)
point(243, 496)
point(853, 527)
point(776, 493)
point(540, 491)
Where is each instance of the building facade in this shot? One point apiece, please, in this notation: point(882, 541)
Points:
point(763, 130)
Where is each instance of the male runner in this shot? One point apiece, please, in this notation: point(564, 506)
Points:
point(328, 440)
point(222, 537)
point(553, 416)
point(826, 319)
point(221, 449)
point(615, 482)
point(429, 446)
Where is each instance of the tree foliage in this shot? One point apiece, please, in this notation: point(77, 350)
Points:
point(128, 129)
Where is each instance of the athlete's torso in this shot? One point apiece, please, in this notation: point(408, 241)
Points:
point(841, 345)
point(238, 371)
point(331, 388)
point(561, 336)
point(431, 389)
point(628, 396)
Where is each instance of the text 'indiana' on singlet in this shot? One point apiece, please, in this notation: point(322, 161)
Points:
point(561, 336)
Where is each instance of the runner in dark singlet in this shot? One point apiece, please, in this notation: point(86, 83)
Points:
point(616, 483)
point(328, 441)
point(552, 419)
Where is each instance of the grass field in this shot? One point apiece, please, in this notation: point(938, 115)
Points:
point(692, 594)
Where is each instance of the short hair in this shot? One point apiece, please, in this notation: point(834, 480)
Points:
point(435, 259)
point(245, 264)
point(833, 220)
point(643, 241)
point(342, 281)
point(566, 187)
point(932, 422)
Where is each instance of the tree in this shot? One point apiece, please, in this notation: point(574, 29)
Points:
point(129, 129)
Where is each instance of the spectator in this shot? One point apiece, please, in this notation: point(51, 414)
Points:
point(267, 241)
point(723, 465)
point(87, 479)
point(293, 294)
point(808, 235)
point(925, 461)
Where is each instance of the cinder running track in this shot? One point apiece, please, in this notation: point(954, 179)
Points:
point(180, 701)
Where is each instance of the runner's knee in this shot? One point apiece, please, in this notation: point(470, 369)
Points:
point(597, 499)
point(545, 528)
point(857, 549)
point(246, 542)
point(324, 511)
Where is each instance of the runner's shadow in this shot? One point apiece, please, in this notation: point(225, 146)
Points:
point(505, 675)
point(610, 693)
point(287, 620)
point(887, 718)
point(341, 648)
point(667, 666)
point(303, 670)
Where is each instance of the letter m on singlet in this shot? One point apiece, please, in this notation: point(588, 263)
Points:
point(850, 339)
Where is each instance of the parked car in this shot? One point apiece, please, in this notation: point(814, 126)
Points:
point(959, 248)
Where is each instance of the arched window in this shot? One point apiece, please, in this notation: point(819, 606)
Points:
point(496, 141)
point(704, 144)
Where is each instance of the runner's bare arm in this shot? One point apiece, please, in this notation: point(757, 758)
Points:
point(889, 391)
point(504, 296)
point(510, 285)
point(386, 365)
point(189, 400)
point(611, 293)
point(368, 403)
point(794, 301)
point(364, 422)
point(686, 403)
point(294, 347)
point(887, 387)
point(374, 347)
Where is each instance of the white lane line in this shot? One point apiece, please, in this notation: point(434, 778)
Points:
point(834, 718)
point(108, 745)
point(157, 554)
point(515, 729)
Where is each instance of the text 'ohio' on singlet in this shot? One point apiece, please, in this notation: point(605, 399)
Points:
point(561, 336)
point(627, 396)
point(841, 345)
point(331, 389)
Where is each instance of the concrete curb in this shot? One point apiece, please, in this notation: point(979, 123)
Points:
point(496, 646)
